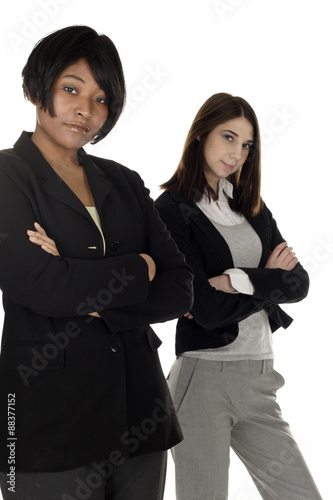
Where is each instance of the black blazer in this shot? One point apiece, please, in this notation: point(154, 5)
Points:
point(216, 314)
point(85, 388)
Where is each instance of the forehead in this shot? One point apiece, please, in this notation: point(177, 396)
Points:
point(79, 70)
point(241, 126)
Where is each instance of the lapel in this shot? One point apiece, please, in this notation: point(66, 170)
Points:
point(53, 185)
point(98, 181)
point(262, 227)
point(193, 215)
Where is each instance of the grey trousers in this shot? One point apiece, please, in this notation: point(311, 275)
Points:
point(233, 404)
point(141, 478)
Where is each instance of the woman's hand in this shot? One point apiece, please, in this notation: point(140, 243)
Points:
point(39, 237)
point(282, 257)
point(151, 265)
point(222, 283)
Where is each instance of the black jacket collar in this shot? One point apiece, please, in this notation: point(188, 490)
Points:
point(51, 183)
point(191, 212)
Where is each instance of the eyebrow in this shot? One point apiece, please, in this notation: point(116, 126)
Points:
point(75, 77)
point(234, 133)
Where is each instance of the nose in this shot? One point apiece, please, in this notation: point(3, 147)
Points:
point(236, 153)
point(235, 156)
point(83, 109)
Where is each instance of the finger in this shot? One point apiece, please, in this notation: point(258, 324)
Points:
point(44, 242)
point(290, 256)
point(292, 264)
point(287, 255)
point(279, 248)
point(47, 249)
point(40, 229)
point(95, 314)
point(39, 239)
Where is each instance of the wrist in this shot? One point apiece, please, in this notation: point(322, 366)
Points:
point(229, 287)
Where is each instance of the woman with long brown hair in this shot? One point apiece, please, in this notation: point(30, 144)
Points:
point(223, 382)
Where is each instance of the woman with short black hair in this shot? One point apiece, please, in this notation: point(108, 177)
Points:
point(64, 47)
point(223, 382)
point(86, 265)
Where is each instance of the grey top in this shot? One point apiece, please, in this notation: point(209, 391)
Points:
point(254, 340)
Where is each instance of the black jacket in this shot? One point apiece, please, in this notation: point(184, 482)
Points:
point(84, 387)
point(217, 314)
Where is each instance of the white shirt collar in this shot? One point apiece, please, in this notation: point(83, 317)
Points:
point(226, 187)
point(220, 210)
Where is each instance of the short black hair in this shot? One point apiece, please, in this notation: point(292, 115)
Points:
point(64, 47)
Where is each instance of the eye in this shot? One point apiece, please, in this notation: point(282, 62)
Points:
point(247, 146)
point(71, 90)
point(101, 100)
point(228, 137)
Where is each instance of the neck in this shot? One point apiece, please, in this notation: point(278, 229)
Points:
point(214, 185)
point(57, 157)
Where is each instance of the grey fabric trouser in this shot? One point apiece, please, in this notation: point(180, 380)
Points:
point(233, 404)
point(140, 478)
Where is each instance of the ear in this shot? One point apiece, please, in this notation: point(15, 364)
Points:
point(198, 137)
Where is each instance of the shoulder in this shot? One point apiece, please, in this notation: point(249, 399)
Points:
point(175, 211)
point(114, 168)
point(116, 172)
point(264, 216)
point(13, 167)
point(168, 200)
point(8, 158)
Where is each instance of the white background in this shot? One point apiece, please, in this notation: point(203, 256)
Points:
point(176, 53)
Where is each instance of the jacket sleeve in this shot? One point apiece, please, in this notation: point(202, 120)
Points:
point(171, 291)
point(277, 285)
point(55, 286)
point(211, 308)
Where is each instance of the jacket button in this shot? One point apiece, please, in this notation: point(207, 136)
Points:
point(114, 246)
point(116, 347)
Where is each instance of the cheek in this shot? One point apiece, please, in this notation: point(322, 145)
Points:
point(212, 151)
point(245, 156)
point(60, 103)
point(101, 117)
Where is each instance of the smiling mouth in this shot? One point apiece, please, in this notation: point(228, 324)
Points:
point(78, 128)
point(230, 167)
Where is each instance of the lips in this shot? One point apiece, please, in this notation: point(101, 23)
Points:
point(77, 127)
point(230, 167)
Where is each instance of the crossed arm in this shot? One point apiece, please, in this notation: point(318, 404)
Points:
point(282, 257)
point(40, 238)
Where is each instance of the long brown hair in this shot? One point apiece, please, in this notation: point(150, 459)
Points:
point(189, 178)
